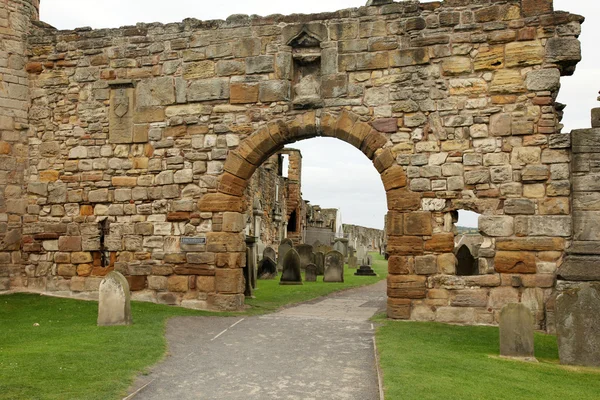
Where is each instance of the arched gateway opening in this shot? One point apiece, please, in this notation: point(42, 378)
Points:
point(231, 198)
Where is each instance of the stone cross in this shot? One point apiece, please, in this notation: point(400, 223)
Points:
point(516, 331)
point(114, 306)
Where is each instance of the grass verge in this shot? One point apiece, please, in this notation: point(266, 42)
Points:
point(436, 361)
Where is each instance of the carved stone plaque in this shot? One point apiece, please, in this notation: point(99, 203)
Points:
point(121, 113)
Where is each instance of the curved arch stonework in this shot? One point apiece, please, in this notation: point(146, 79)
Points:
point(141, 140)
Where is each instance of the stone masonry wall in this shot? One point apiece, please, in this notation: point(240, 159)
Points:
point(157, 129)
point(15, 22)
point(362, 236)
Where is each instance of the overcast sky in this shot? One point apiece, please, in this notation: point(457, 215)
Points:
point(335, 174)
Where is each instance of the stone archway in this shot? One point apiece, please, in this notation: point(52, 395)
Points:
point(230, 201)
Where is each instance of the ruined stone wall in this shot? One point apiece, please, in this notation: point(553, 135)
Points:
point(15, 23)
point(362, 236)
point(158, 129)
point(268, 187)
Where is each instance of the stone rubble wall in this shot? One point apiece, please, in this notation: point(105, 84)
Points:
point(362, 236)
point(159, 128)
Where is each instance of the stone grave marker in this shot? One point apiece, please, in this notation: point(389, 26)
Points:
point(320, 262)
point(284, 247)
point(311, 273)
point(578, 325)
point(269, 252)
point(361, 253)
point(369, 260)
point(352, 262)
point(334, 267)
point(267, 269)
point(516, 331)
point(341, 245)
point(291, 269)
point(114, 306)
point(324, 248)
point(305, 251)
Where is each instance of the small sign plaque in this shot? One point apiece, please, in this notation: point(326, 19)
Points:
point(193, 240)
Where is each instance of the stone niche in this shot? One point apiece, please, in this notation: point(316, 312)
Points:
point(306, 69)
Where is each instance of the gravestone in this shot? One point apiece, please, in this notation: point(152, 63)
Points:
point(341, 245)
point(320, 262)
point(334, 267)
point(352, 262)
point(114, 307)
point(269, 252)
point(323, 248)
point(361, 253)
point(369, 260)
point(305, 251)
point(311, 273)
point(578, 325)
point(284, 247)
point(291, 269)
point(267, 269)
point(516, 331)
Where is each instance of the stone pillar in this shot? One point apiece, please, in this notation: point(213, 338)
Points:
point(15, 20)
point(581, 268)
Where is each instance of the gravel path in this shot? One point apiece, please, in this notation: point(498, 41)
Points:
point(321, 350)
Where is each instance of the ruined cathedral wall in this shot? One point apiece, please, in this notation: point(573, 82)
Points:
point(454, 101)
point(15, 24)
point(362, 236)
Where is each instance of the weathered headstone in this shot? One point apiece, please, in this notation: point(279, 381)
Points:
point(352, 262)
point(361, 253)
point(267, 269)
point(114, 307)
point(341, 245)
point(284, 247)
point(269, 252)
point(369, 260)
point(323, 249)
point(334, 267)
point(291, 269)
point(311, 273)
point(578, 325)
point(320, 262)
point(516, 331)
point(305, 251)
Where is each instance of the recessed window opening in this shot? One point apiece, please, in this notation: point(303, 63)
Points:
point(467, 242)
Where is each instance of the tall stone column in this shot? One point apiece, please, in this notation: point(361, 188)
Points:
point(15, 24)
point(578, 301)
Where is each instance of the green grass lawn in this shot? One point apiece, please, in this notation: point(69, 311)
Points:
point(435, 361)
point(68, 357)
point(270, 296)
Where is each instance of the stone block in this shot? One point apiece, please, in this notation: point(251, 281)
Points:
point(426, 265)
point(199, 70)
point(155, 92)
point(519, 207)
point(69, 243)
point(522, 54)
point(417, 223)
point(209, 89)
point(543, 80)
point(513, 262)
point(273, 91)
point(470, 298)
point(229, 281)
point(531, 8)
point(244, 93)
point(406, 286)
point(177, 283)
point(496, 225)
point(558, 226)
point(440, 242)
